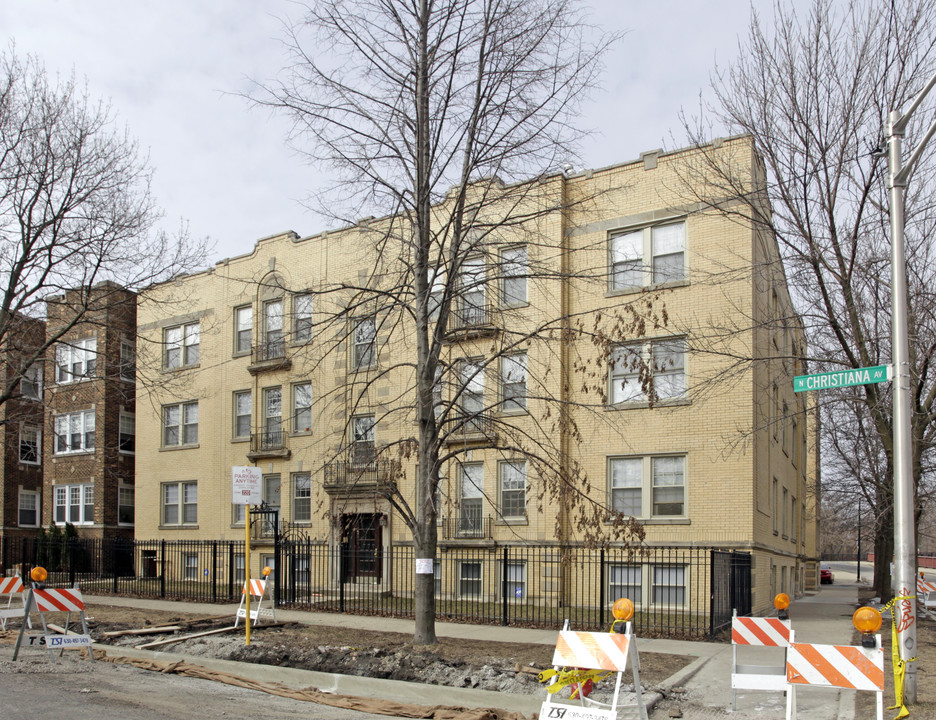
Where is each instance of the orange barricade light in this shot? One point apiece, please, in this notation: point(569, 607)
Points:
point(782, 602)
point(867, 621)
point(267, 570)
point(623, 609)
point(38, 574)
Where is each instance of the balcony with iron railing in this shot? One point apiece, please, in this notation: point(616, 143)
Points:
point(470, 427)
point(269, 355)
point(268, 442)
point(468, 524)
point(470, 320)
point(360, 474)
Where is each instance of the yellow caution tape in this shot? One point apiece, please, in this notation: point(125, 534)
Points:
point(900, 666)
point(570, 676)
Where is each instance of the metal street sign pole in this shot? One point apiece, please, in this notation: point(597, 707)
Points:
point(904, 539)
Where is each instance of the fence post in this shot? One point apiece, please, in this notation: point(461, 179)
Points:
point(504, 585)
point(162, 568)
point(115, 547)
point(602, 600)
point(214, 571)
point(711, 555)
point(276, 568)
point(231, 569)
point(71, 562)
point(341, 575)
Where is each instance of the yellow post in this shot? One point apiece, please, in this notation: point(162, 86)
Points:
point(247, 571)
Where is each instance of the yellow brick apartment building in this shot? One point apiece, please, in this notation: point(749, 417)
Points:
point(641, 337)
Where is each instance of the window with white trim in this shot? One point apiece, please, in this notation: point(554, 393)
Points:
point(180, 503)
point(302, 318)
point(363, 439)
point(471, 395)
point(647, 256)
point(514, 269)
point(469, 580)
point(75, 360)
point(302, 407)
point(514, 383)
point(669, 584)
point(126, 502)
point(302, 497)
point(364, 344)
point(625, 581)
point(180, 424)
point(126, 440)
point(74, 432)
point(471, 499)
point(656, 484)
point(74, 504)
point(28, 515)
point(512, 488)
point(182, 346)
point(127, 361)
point(273, 343)
point(243, 409)
point(31, 382)
point(30, 444)
point(639, 370)
point(243, 329)
point(191, 566)
point(472, 306)
point(516, 580)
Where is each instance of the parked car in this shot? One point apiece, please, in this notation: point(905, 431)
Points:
point(825, 574)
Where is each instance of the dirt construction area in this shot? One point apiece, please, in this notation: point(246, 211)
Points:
point(462, 663)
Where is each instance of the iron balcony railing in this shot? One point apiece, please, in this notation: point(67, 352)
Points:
point(269, 439)
point(469, 524)
point(350, 474)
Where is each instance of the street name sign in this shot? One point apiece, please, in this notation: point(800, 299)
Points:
point(842, 378)
point(246, 485)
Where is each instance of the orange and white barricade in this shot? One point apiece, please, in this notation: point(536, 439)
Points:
point(12, 588)
point(839, 666)
point(587, 651)
point(926, 593)
point(258, 593)
point(66, 600)
point(758, 632)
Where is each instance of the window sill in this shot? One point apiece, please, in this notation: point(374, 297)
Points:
point(30, 464)
point(363, 368)
point(174, 448)
point(72, 453)
point(646, 288)
point(659, 521)
point(240, 439)
point(512, 413)
point(300, 433)
point(183, 368)
point(127, 453)
point(178, 527)
point(512, 521)
point(240, 354)
point(646, 404)
point(65, 383)
point(516, 306)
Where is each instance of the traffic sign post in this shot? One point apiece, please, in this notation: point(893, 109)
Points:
point(842, 378)
point(246, 489)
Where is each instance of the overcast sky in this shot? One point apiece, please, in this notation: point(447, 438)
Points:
point(171, 70)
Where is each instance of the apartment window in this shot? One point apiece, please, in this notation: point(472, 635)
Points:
point(302, 407)
point(783, 521)
point(514, 269)
point(191, 566)
point(638, 369)
point(471, 397)
point(794, 444)
point(363, 447)
point(240, 513)
point(648, 255)
point(514, 383)
point(775, 505)
point(515, 573)
point(472, 306)
point(302, 318)
point(126, 502)
point(669, 584)
point(624, 581)
point(302, 497)
point(364, 339)
point(627, 485)
point(775, 410)
point(784, 434)
point(792, 518)
point(240, 576)
point(76, 360)
point(273, 416)
point(28, 508)
point(243, 408)
point(273, 344)
point(126, 440)
point(180, 503)
point(30, 444)
point(243, 329)
point(436, 292)
point(181, 346)
point(31, 382)
point(74, 504)
point(638, 483)
point(74, 432)
point(512, 489)
point(127, 361)
point(180, 424)
point(469, 580)
point(470, 520)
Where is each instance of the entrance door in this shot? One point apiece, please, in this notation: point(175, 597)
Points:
point(361, 542)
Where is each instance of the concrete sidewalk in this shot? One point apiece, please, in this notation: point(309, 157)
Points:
point(823, 618)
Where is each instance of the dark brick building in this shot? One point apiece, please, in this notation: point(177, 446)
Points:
point(21, 425)
point(90, 433)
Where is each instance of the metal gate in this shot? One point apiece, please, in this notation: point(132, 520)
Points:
point(730, 588)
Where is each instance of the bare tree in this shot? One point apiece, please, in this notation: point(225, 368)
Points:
point(814, 94)
point(75, 213)
point(437, 114)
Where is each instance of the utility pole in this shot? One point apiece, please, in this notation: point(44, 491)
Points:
point(904, 541)
point(858, 570)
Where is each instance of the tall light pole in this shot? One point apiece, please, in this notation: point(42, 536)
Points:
point(904, 540)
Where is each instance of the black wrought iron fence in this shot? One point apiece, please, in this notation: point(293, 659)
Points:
point(677, 591)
